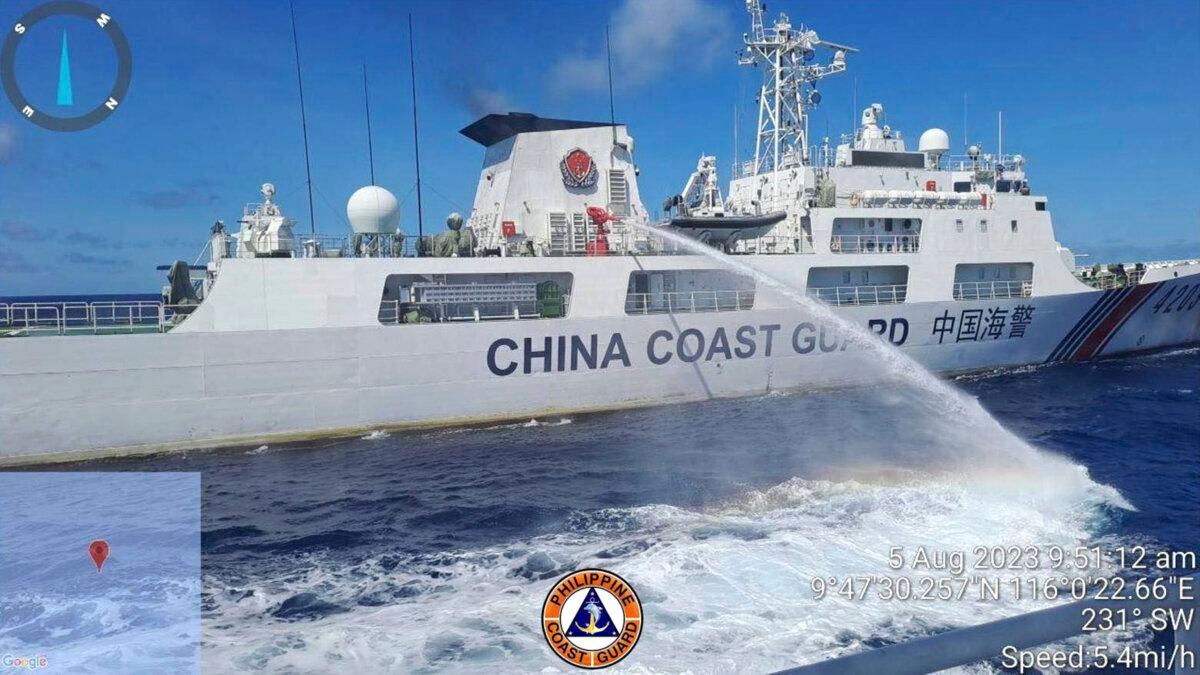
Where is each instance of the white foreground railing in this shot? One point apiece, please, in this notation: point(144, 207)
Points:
point(860, 295)
point(688, 301)
point(986, 290)
point(62, 318)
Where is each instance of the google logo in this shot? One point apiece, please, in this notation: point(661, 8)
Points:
point(24, 662)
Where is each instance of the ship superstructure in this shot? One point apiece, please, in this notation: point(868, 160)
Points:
point(558, 292)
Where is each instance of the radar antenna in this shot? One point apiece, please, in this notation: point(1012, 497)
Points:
point(789, 86)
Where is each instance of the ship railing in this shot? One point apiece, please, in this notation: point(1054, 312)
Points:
point(985, 162)
point(65, 318)
point(773, 244)
point(395, 312)
point(1105, 282)
point(888, 294)
point(987, 290)
point(875, 243)
point(689, 301)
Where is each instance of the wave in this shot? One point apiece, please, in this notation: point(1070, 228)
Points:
point(724, 588)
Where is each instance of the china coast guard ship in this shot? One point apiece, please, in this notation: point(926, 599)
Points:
point(557, 294)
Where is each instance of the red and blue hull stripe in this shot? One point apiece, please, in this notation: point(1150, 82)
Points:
point(1092, 333)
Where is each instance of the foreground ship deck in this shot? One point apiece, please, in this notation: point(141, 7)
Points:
point(556, 294)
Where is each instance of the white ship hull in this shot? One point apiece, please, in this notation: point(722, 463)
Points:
point(74, 397)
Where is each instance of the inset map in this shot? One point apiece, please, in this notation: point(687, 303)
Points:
point(137, 613)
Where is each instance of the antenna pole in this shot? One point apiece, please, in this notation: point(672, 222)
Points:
point(733, 169)
point(370, 144)
point(312, 218)
point(412, 70)
point(612, 111)
point(854, 106)
point(1000, 140)
point(965, 141)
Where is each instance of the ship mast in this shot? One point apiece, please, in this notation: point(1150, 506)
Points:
point(789, 86)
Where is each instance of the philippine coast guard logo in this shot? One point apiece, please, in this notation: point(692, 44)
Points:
point(592, 618)
point(578, 169)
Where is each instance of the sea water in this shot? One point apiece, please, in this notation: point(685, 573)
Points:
point(433, 551)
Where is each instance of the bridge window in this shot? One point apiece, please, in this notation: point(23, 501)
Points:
point(443, 298)
point(1014, 226)
point(1039, 206)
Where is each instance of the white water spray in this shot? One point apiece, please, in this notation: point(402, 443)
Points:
point(897, 362)
point(950, 402)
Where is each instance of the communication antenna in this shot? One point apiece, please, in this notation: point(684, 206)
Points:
point(312, 218)
point(736, 160)
point(854, 105)
point(965, 143)
point(412, 71)
point(1000, 133)
point(789, 86)
point(370, 143)
point(612, 110)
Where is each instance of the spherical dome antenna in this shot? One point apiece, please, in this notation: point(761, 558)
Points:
point(934, 142)
point(373, 210)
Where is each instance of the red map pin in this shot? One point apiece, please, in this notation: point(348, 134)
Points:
point(99, 551)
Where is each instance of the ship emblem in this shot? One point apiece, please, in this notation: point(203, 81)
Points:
point(578, 169)
point(592, 618)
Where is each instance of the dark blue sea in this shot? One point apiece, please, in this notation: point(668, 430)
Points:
point(432, 551)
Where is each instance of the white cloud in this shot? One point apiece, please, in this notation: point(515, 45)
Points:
point(650, 38)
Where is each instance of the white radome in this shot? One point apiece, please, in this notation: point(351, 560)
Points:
point(373, 210)
point(934, 141)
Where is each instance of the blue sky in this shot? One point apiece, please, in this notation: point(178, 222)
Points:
point(1101, 97)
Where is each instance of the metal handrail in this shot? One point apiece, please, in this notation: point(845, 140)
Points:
point(875, 243)
point(393, 312)
point(689, 301)
point(773, 244)
point(62, 318)
point(986, 290)
point(1104, 282)
point(885, 294)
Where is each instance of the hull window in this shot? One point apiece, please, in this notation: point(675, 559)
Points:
point(993, 280)
point(876, 284)
point(446, 298)
point(683, 291)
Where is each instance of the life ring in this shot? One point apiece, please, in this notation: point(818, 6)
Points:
point(854, 198)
